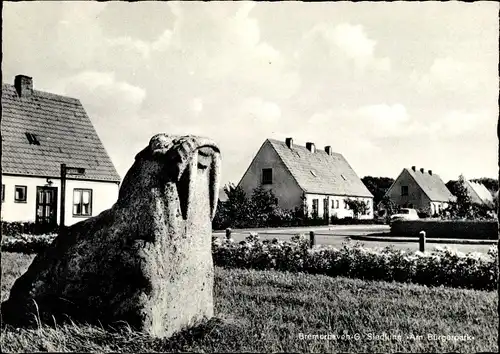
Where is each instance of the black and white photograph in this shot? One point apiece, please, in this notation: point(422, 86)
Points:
point(244, 176)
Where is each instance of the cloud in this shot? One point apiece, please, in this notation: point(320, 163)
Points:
point(339, 74)
point(260, 111)
point(346, 44)
point(461, 124)
point(197, 105)
point(369, 122)
point(101, 89)
point(447, 74)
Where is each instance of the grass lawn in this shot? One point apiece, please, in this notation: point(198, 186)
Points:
point(268, 311)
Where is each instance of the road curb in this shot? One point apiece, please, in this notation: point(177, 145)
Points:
point(429, 240)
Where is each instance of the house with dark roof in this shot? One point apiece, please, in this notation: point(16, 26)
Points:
point(40, 132)
point(421, 190)
point(319, 180)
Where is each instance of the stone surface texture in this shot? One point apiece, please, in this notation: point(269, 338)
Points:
point(146, 261)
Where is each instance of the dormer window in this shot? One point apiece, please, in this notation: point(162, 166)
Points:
point(32, 139)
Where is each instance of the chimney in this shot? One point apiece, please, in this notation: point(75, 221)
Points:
point(430, 172)
point(422, 170)
point(310, 146)
point(413, 168)
point(328, 150)
point(23, 85)
point(289, 142)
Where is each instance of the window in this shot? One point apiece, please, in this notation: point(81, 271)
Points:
point(338, 204)
point(333, 204)
point(315, 208)
point(32, 139)
point(404, 190)
point(267, 176)
point(3, 193)
point(20, 194)
point(82, 202)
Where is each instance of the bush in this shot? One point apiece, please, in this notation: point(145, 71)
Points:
point(31, 228)
point(27, 243)
point(443, 267)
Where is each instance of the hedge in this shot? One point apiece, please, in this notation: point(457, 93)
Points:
point(441, 267)
point(30, 228)
point(464, 229)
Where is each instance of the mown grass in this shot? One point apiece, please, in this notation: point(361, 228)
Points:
point(267, 311)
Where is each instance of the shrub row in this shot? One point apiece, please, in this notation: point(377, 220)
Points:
point(26, 243)
point(31, 228)
point(442, 267)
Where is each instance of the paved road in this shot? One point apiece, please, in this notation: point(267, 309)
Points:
point(337, 235)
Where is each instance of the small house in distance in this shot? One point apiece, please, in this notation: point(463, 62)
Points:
point(319, 180)
point(479, 194)
point(41, 131)
point(421, 190)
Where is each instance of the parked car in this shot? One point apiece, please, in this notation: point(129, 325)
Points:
point(405, 214)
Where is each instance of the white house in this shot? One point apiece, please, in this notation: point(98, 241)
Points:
point(479, 194)
point(41, 131)
point(320, 180)
point(419, 189)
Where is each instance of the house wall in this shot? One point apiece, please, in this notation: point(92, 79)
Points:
point(416, 196)
point(437, 207)
point(283, 185)
point(341, 212)
point(104, 195)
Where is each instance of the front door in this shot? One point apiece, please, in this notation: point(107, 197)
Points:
point(326, 210)
point(46, 206)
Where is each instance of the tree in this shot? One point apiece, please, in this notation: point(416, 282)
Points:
point(377, 186)
point(264, 204)
point(358, 207)
point(235, 211)
point(462, 207)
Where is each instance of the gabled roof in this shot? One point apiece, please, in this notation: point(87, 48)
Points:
point(479, 193)
point(432, 185)
point(320, 173)
point(63, 130)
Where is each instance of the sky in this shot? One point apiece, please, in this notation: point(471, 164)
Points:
point(388, 85)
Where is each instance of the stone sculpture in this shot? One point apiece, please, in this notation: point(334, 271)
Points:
point(146, 261)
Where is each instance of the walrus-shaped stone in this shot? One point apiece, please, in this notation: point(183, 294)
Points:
point(146, 261)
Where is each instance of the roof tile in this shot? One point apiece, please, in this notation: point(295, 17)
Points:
point(432, 185)
point(64, 130)
point(319, 172)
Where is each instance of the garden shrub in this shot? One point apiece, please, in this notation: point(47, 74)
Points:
point(442, 267)
point(30, 228)
point(27, 243)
